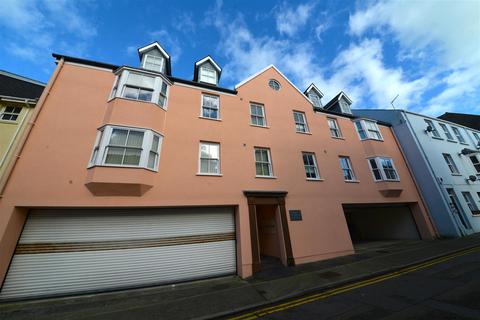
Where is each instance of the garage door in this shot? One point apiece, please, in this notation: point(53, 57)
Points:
point(66, 252)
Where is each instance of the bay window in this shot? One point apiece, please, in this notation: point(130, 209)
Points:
point(128, 147)
point(383, 169)
point(135, 85)
point(368, 129)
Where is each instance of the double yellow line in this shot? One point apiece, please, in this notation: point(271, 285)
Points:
point(332, 292)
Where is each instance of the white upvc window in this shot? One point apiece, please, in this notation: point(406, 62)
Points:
point(334, 128)
point(257, 115)
point(263, 162)
point(347, 169)
point(300, 121)
point(311, 167)
point(317, 102)
point(368, 129)
point(127, 147)
point(143, 87)
point(10, 113)
point(154, 63)
point(383, 169)
point(208, 74)
point(446, 131)
point(210, 106)
point(470, 202)
point(458, 134)
point(477, 137)
point(476, 163)
point(345, 107)
point(209, 162)
point(433, 129)
point(450, 163)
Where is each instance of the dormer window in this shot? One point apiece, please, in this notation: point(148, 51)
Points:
point(208, 74)
point(154, 63)
point(345, 107)
point(315, 99)
point(340, 103)
point(315, 96)
point(207, 71)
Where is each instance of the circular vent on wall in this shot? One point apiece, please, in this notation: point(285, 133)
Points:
point(274, 84)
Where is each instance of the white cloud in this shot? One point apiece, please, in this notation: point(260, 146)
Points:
point(36, 28)
point(290, 20)
point(169, 42)
point(441, 36)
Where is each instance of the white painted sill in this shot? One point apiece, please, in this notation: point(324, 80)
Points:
point(338, 138)
point(312, 179)
point(266, 177)
point(352, 181)
point(207, 118)
point(307, 133)
point(209, 174)
point(257, 126)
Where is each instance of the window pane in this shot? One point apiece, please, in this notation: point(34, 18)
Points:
point(164, 88)
point(135, 139)
point(114, 155)
point(118, 137)
point(131, 93)
point(145, 95)
point(161, 100)
point(132, 157)
point(155, 142)
point(152, 160)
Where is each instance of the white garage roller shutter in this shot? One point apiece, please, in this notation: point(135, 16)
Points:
point(64, 252)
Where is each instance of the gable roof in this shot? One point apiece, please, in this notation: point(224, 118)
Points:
point(13, 85)
point(265, 69)
point(157, 45)
point(339, 96)
point(313, 87)
point(202, 61)
point(464, 119)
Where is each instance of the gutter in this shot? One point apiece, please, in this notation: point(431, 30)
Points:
point(23, 138)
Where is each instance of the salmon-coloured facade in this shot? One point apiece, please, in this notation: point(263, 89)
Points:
point(305, 218)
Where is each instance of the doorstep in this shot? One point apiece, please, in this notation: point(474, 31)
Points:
point(223, 296)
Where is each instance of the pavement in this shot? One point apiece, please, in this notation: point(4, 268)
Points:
point(221, 297)
point(448, 289)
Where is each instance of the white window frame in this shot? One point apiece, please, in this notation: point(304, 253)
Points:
point(314, 166)
point(345, 107)
point(4, 112)
point(452, 166)
point(162, 65)
point(121, 81)
point(304, 123)
point(274, 84)
point(458, 134)
point(335, 131)
point(315, 98)
point(202, 74)
point(202, 106)
point(349, 168)
point(263, 116)
point(472, 206)
point(102, 141)
point(477, 137)
point(381, 169)
point(268, 163)
point(435, 133)
point(209, 144)
point(368, 132)
point(476, 165)
point(446, 131)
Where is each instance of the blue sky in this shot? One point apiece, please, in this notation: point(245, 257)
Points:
point(427, 52)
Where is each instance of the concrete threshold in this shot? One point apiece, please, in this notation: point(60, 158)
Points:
point(218, 298)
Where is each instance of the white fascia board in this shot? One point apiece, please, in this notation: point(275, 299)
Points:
point(208, 58)
point(275, 68)
point(156, 45)
point(314, 87)
point(342, 94)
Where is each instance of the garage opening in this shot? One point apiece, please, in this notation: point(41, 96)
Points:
point(64, 252)
point(377, 222)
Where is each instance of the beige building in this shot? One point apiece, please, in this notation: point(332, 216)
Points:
point(18, 97)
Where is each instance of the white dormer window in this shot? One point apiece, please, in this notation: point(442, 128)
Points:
point(345, 107)
point(154, 63)
point(208, 74)
point(315, 99)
